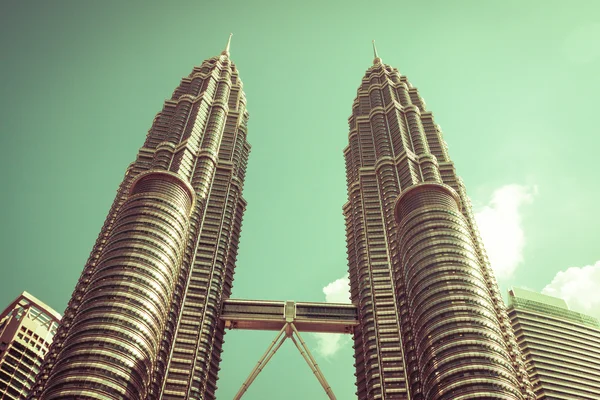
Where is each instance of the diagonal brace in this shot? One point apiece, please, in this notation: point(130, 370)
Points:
point(271, 350)
point(288, 330)
point(312, 363)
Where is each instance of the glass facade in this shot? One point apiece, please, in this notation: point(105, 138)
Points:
point(143, 320)
point(432, 322)
point(561, 347)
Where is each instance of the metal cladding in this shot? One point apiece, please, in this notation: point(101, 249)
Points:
point(143, 322)
point(561, 347)
point(147, 317)
point(126, 304)
point(454, 344)
point(272, 316)
point(432, 324)
point(27, 327)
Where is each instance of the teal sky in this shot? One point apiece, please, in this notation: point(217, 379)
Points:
point(513, 84)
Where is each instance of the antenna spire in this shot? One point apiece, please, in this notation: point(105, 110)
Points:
point(226, 51)
point(376, 60)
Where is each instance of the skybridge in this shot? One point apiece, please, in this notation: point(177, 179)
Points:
point(289, 318)
point(273, 315)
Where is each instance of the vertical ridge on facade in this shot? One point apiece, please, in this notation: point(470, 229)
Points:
point(417, 268)
point(143, 320)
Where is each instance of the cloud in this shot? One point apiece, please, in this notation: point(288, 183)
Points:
point(579, 287)
point(500, 226)
point(329, 343)
point(338, 291)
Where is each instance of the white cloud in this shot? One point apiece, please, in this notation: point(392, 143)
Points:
point(328, 344)
point(579, 287)
point(338, 291)
point(500, 226)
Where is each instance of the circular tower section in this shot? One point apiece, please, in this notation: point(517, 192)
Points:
point(457, 349)
point(115, 336)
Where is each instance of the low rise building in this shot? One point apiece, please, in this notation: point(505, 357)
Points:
point(27, 327)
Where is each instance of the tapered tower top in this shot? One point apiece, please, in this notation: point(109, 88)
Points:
point(226, 51)
point(376, 60)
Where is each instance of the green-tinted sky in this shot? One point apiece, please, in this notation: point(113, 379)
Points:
point(514, 85)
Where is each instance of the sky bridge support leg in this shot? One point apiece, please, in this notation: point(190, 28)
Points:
point(287, 331)
point(312, 363)
point(271, 350)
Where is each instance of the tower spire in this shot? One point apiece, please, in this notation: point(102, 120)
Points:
point(226, 51)
point(376, 60)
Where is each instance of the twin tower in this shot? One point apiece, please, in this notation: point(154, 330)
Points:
point(148, 315)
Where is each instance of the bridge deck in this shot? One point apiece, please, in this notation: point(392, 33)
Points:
point(273, 315)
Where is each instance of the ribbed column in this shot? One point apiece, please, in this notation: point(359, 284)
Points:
point(383, 145)
point(427, 161)
point(180, 119)
point(402, 90)
point(368, 376)
point(459, 351)
point(208, 152)
point(114, 338)
point(163, 156)
point(196, 346)
point(429, 168)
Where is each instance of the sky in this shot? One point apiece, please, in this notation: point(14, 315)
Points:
point(513, 85)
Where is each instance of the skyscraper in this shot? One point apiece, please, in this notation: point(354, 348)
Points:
point(142, 321)
point(147, 317)
point(432, 322)
point(561, 347)
point(27, 327)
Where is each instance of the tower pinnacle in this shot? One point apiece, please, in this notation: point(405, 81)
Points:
point(226, 51)
point(376, 60)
